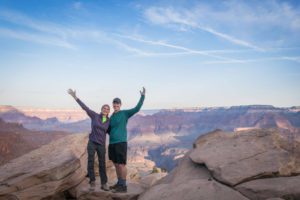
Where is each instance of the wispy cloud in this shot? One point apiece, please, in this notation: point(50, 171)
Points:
point(190, 51)
point(37, 25)
point(242, 23)
point(240, 61)
point(171, 16)
point(231, 38)
point(44, 32)
point(185, 50)
point(129, 48)
point(77, 5)
point(36, 31)
point(266, 15)
point(36, 38)
point(55, 34)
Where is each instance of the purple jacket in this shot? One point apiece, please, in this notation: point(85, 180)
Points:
point(99, 129)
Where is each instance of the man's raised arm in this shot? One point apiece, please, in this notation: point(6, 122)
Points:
point(137, 108)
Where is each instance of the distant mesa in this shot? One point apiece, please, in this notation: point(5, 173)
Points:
point(7, 108)
point(15, 140)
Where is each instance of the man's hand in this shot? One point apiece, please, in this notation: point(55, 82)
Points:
point(72, 93)
point(143, 92)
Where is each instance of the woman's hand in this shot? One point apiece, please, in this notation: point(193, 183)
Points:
point(72, 93)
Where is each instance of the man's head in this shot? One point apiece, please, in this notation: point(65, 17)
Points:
point(117, 104)
point(105, 110)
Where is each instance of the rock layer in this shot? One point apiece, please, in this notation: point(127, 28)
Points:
point(284, 187)
point(237, 157)
point(82, 192)
point(190, 181)
point(46, 171)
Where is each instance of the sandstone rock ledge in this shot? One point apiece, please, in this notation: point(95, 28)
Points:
point(57, 171)
point(46, 171)
point(234, 158)
point(190, 181)
point(245, 165)
point(82, 192)
point(255, 164)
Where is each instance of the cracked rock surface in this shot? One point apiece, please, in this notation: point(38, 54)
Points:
point(46, 171)
point(238, 157)
point(254, 164)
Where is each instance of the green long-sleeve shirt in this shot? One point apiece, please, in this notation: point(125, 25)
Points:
point(118, 123)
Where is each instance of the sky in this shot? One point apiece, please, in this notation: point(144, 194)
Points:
point(185, 53)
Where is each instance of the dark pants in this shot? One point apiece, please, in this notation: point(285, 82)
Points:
point(91, 148)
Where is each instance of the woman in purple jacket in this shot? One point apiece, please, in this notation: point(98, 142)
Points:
point(97, 138)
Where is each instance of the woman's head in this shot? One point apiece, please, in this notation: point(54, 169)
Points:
point(105, 109)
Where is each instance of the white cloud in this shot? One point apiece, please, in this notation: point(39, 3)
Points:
point(241, 22)
point(239, 61)
point(170, 16)
point(36, 38)
point(268, 14)
point(185, 50)
point(53, 34)
point(77, 5)
point(37, 25)
point(129, 48)
point(44, 32)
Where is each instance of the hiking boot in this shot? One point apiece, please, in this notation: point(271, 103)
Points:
point(114, 186)
point(105, 187)
point(92, 185)
point(120, 189)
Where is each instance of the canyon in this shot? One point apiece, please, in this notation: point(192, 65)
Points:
point(15, 140)
point(165, 136)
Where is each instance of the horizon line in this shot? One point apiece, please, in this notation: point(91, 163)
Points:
point(171, 108)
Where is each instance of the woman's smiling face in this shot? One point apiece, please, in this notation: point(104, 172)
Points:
point(105, 110)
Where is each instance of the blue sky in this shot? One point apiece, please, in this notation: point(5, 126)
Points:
point(186, 53)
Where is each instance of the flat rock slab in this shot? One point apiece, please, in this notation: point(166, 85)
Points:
point(261, 189)
point(188, 181)
point(151, 179)
point(186, 170)
point(242, 156)
point(46, 171)
point(83, 192)
point(200, 189)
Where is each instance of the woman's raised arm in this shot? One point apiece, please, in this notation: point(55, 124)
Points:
point(89, 112)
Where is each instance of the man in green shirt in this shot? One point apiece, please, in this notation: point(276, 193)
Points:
point(117, 149)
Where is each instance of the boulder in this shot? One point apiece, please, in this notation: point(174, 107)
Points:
point(190, 181)
point(151, 179)
point(201, 189)
point(46, 171)
point(185, 171)
point(237, 157)
point(281, 187)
